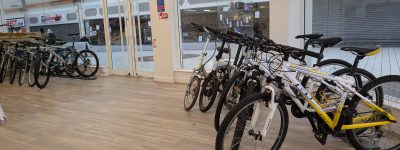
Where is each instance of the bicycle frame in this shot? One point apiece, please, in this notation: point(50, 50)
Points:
point(289, 72)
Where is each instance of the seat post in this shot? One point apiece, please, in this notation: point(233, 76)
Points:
point(321, 52)
point(355, 64)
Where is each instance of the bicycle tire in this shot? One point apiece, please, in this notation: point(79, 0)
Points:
point(352, 134)
point(31, 73)
point(211, 85)
point(237, 110)
point(327, 62)
point(237, 76)
point(39, 74)
point(22, 72)
point(4, 68)
point(82, 73)
point(196, 82)
point(13, 70)
point(358, 74)
point(70, 68)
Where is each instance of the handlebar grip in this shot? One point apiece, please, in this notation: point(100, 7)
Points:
point(313, 54)
point(234, 34)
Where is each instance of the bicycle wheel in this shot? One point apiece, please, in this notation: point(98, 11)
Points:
point(31, 73)
point(22, 72)
point(229, 97)
point(359, 77)
point(13, 70)
point(379, 137)
point(236, 132)
point(208, 92)
point(42, 71)
point(328, 66)
point(192, 92)
point(4, 68)
point(87, 63)
point(70, 68)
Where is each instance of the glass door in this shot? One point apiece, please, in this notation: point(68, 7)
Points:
point(119, 48)
point(143, 37)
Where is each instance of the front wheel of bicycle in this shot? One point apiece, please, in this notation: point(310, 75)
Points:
point(235, 132)
point(4, 68)
point(42, 71)
point(208, 93)
point(22, 72)
point(87, 63)
point(378, 137)
point(230, 95)
point(13, 70)
point(192, 92)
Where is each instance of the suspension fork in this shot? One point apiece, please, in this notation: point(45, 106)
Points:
point(256, 113)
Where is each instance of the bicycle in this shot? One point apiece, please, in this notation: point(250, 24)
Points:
point(236, 87)
point(214, 79)
point(49, 60)
point(281, 84)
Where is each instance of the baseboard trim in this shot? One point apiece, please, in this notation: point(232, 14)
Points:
point(164, 79)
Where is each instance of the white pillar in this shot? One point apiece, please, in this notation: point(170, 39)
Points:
point(163, 33)
point(2, 21)
point(107, 35)
point(286, 21)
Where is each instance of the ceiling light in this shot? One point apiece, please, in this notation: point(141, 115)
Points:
point(207, 10)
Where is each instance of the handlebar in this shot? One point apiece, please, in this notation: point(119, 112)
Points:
point(198, 27)
point(235, 34)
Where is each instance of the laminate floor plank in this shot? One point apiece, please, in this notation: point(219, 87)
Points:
point(117, 113)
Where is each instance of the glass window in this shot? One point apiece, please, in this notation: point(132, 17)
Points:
point(246, 16)
point(361, 23)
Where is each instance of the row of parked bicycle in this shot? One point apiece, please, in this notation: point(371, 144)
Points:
point(34, 60)
point(254, 87)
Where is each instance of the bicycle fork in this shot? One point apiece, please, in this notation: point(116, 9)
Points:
point(256, 114)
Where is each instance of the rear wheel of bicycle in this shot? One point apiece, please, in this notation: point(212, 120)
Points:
point(4, 68)
point(192, 92)
point(13, 70)
point(42, 71)
point(359, 77)
point(31, 73)
point(87, 63)
point(379, 137)
point(22, 72)
point(328, 66)
point(70, 67)
point(208, 93)
point(229, 97)
point(235, 132)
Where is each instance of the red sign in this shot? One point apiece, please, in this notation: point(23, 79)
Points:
point(52, 18)
point(16, 22)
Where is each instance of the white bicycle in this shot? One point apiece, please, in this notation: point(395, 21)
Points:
point(260, 121)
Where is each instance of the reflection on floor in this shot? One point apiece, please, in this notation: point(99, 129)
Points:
point(117, 113)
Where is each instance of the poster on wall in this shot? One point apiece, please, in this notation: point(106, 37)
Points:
point(160, 6)
point(54, 18)
point(16, 22)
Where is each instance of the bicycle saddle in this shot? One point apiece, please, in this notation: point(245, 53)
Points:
point(328, 42)
point(310, 36)
point(363, 51)
point(73, 34)
point(225, 50)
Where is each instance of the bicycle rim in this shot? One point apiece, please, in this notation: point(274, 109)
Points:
point(235, 130)
point(380, 137)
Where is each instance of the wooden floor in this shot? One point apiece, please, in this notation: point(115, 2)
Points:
point(117, 113)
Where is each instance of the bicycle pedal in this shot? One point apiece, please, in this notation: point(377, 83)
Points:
point(321, 137)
